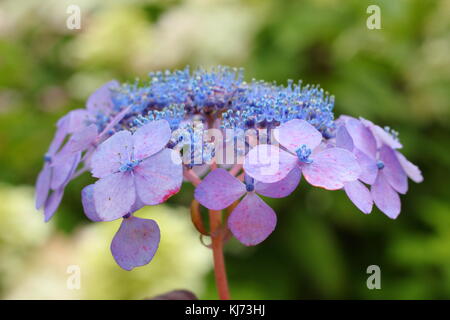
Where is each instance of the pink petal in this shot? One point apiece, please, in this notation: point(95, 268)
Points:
point(269, 164)
point(114, 195)
point(385, 198)
point(295, 133)
point(410, 168)
point(81, 140)
point(87, 199)
point(282, 188)
point(252, 221)
point(393, 171)
point(369, 169)
point(359, 195)
point(219, 189)
point(343, 139)
point(362, 137)
point(159, 177)
point(52, 204)
point(112, 154)
point(331, 168)
point(43, 185)
point(135, 243)
point(151, 138)
point(100, 100)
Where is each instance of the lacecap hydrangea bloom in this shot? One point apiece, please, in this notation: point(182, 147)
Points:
point(234, 140)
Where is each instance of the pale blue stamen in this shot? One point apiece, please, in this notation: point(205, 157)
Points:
point(303, 154)
point(380, 165)
point(129, 166)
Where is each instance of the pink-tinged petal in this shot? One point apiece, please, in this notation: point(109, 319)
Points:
point(87, 199)
point(343, 139)
point(269, 164)
point(382, 137)
point(219, 189)
point(282, 188)
point(410, 168)
point(63, 167)
point(151, 138)
point(135, 243)
point(158, 177)
point(295, 133)
point(385, 197)
point(393, 171)
point(369, 169)
point(58, 139)
point(362, 137)
point(331, 168)
point(100, 100)
point(81, 140)
point(114, 196)
point(112, 154)
point(52, 204)
point(359, 195)
point(76, 120)
point(43, 185)
point(252, 221)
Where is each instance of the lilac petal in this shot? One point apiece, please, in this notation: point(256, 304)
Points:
point(282, 188)
point(100, 100)
point(63, 167)
point(362, 137)
point(58, 139)
point(219, 189)
point(269, 164)
point(295, 133)
point(112, 154)
point(52, 204)
point(87, 199)
point(343, 139)
point(76, 120)
point(393, 171)
point(151, 138)
point(331, 168)
point(158, 177)
point(114, 195)
point(385, 198)
point(410, 168)
point(359, 195)
point(135, 243)
point(81, 140)
point(369, 169)
point(43, 185)
point(252, 221)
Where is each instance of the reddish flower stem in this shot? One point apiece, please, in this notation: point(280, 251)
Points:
point(217, 241)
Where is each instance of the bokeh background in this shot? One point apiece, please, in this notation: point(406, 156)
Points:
point(397, 76)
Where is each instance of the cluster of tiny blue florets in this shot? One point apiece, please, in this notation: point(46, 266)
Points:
point(222, 94)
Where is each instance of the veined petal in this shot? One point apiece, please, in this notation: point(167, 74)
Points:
point(43, 185)
point(252, 221)
point(410, 168)
point(151, 138)
point(359, 195)
point(159, 177)
point(368, 166)
point(112, 154)
point(269, 164)
point(135, 243)
point(393, 170)
point(52, 204)
point(114, 195)
point(385, 197)
point(295, 133)
point(331, 168)
point(282, 188)
point(82, 139)
point(343, 139)
point(362, 137)
point(219, 189)
point(100, 100)
point(87, 199)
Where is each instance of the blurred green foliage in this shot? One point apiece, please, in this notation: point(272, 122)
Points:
point(397, 76)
